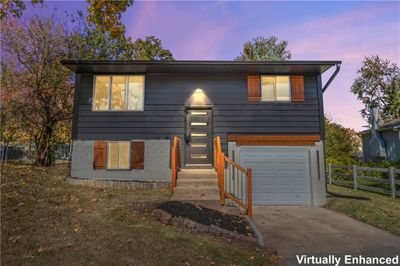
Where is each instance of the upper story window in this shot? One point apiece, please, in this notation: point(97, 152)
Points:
point(118, 93)
point(275, 88)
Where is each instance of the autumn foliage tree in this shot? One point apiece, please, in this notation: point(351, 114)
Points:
point(150, 49)
point(93, 43)
point(105, 14)
point(37, 90)
point(14, 7)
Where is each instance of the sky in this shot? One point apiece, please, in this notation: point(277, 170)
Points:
point(316, 30)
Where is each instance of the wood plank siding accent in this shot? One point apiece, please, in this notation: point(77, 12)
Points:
point(273, 140)
point(137, 155)
point(99, 155)
point(297, 85)
point(164, 111)
point(254, 88)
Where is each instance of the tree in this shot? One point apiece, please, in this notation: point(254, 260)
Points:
point(151, 49)
point(378, 85)
point(340, 143)
point(106, 15)
point(14, 7)
point(37, 87)
point(265, 49)
point(95, 44)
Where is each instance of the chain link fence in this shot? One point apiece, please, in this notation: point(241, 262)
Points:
point(25, 153)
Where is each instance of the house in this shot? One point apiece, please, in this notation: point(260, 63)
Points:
point(268, 115)
point(381, 142)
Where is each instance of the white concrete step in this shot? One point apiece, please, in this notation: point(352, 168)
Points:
point(200, 182)
point(196, 174)
point(196, 193)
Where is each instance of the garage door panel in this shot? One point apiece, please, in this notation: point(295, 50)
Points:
point(293, 181)
point(273, 159)
point(264, 181)
point(273, 188)
point(280, 174)
point(271, 167)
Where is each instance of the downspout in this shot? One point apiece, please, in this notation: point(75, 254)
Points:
point(331, 78)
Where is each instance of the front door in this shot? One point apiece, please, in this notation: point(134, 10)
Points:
point(198, 138)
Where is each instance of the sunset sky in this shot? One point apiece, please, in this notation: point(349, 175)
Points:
point(323, 30)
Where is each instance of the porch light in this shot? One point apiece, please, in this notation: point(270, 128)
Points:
point(198, 90)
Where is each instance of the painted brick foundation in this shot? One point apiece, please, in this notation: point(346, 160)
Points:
point(156, 163)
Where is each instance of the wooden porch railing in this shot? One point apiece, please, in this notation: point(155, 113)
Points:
point(219, 163)
point(175, 161)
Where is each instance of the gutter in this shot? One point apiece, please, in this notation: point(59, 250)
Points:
point(331, 78)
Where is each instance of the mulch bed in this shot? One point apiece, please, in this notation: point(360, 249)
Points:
point(206, 216)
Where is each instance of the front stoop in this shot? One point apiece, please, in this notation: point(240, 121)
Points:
point(196, 185)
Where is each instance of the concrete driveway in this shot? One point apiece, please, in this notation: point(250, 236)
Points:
point(293, 230)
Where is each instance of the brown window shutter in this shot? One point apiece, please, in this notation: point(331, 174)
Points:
point(253, 88)
point(99, 155)
point(297, 84)
point(137, 154)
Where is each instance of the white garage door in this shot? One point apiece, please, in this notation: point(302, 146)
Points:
point(281, 175)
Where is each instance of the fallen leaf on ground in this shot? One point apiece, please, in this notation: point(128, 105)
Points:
point(42, 249)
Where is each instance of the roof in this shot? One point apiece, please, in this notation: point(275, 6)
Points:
point(207, 67)
point(395, 123)
point(392, 124)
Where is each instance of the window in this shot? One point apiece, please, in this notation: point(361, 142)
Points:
point(275, 88)
point(118, 155)
point(118, 93)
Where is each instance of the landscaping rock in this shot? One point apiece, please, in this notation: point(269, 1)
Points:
point(207, 216)
point(177, 221)
point(162, 215)
point(202, 227)
point(215, 230)
point(189, 224)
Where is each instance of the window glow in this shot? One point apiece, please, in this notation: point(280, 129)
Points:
point(118, 155)
point(275, 88)
point(126, 93)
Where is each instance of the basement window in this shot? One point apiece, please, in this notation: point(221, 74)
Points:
point(118, 93)
point(118, 155)
point(275, 88)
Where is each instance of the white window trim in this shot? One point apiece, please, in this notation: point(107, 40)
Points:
point(108, 156)
point(276, 100)
point(110, 94)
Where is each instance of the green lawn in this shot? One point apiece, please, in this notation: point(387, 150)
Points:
point(381, 211)
point(45, 221)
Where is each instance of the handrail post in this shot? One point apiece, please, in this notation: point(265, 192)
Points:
point(173, 168)
point(175, 161)
point(222, 177)
point(249, 175)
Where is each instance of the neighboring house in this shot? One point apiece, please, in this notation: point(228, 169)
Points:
point(389, 135)
point(269, 116)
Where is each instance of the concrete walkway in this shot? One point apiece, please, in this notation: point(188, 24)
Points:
point(317, 231)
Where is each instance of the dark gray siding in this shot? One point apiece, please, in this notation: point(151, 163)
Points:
point(167, 95)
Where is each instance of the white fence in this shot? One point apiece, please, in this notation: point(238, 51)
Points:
point(380, 180)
